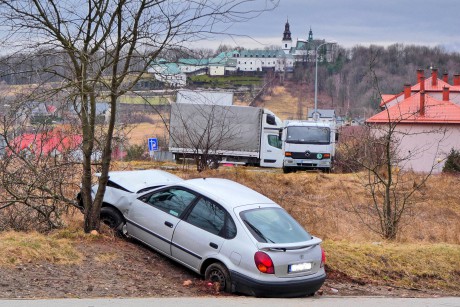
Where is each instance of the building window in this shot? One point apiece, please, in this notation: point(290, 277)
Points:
point(285, 45)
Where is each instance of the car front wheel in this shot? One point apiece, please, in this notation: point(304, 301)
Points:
point(112, 218)
point(218, 273)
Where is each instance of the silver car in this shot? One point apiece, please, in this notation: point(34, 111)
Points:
point(220, 229)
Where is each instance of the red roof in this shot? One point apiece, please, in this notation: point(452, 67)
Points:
point(408, 111)
point(416, 88)
point(388, 98)
point(429, 86)
point(47, 142)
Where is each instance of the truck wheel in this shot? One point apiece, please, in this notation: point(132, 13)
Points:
point(213, 163)
point(286, 170)
point(327, 170)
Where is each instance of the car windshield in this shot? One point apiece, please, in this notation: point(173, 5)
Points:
point(308, 135)
point(273, 225)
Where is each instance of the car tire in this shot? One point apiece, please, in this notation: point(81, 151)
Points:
point(112, 218)
point(217, 272)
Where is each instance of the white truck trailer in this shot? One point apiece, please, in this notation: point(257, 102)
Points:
point(226, 134)
point(309, 145)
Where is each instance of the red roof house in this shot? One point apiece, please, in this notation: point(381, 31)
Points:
point(432, 85)
point(426, 121)
point(55, 142)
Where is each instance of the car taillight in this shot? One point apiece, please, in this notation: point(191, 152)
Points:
point(264, 263)
point(323, 258)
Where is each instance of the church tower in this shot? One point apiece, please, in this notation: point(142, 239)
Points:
point(287, 40)
point(310, 36)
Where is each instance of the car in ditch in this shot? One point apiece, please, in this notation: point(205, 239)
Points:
point(225, 231)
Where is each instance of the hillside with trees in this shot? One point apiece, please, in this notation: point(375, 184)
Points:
point(347, 84)
point(353, 83)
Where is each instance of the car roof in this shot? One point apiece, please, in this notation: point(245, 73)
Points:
point(226, 192)
point(141, 179)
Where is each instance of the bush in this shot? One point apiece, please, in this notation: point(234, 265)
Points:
point(135, 153)
point(453, 162)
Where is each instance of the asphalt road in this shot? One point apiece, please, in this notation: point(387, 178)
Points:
point(240, 301)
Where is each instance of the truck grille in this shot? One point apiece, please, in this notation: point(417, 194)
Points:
point(305, 155)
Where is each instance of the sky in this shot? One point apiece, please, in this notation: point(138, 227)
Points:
point(353, 22)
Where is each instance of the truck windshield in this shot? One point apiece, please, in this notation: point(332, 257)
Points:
point(308, 135)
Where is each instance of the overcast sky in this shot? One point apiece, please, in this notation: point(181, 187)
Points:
point(353, 22)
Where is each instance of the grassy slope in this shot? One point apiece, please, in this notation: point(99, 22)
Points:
point(426, 254)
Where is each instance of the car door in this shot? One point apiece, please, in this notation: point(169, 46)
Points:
point(153, 217)
point(202, 233)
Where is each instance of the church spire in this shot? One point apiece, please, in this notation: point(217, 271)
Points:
point(287, 32)
point(310, 35)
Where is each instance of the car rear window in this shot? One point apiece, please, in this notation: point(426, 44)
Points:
point(273, 225)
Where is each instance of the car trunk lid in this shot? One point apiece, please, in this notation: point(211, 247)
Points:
point(294, 259)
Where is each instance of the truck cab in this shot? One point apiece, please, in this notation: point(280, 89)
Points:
point(308, 145)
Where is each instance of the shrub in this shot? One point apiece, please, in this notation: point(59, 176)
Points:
point(135, 152)
point(453, 162)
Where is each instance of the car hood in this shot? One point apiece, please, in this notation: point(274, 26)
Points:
point(134, 181)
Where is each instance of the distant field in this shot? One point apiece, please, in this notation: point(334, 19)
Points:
point(225, 82)
point(155, 100)
point(285, 105)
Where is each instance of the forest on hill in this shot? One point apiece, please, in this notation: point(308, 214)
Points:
point(352, 83)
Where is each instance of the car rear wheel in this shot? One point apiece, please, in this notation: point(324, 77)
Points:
point(112, 218)
point(218, 273)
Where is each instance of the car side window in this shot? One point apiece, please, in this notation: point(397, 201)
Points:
point(211, 217)
point(173, 201)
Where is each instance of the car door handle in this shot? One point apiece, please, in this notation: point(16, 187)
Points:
point(214, 245)
point(269, 150)
point(169, 224)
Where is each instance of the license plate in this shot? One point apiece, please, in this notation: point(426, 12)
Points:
point(299, 267)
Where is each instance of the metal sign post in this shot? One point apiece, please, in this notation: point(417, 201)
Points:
point(153, 146)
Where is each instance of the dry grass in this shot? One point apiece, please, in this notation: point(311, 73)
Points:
point(106, 257)
point(284, 104)
point(20, 248)
point(402, 265)
point(140, 133)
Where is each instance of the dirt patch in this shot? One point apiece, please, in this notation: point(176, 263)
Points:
point(114, 267)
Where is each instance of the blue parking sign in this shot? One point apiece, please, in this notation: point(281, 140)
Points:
point(153, 144)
